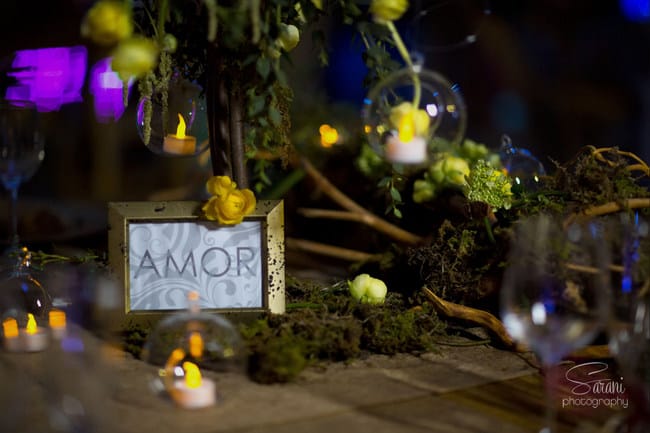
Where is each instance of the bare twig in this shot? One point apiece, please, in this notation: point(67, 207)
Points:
point(347, 203)
point(480, 317)
point(608, 208)
point(330, 250)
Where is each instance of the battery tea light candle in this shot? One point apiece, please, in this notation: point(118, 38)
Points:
point(179, 143)
point(406, 147)
point(11, 335)
point(194, 392)
point(34, 338)
point(58, 325)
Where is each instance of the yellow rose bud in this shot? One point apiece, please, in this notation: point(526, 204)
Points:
point(289, 37)
point(220, 186)
point(134, 57)
point(421, 118)
point(232, 208)
point(365, 288)
point(107, 22)
point(388, 10)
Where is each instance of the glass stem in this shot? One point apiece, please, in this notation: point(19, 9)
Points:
point(13, 218)
point(550, 408)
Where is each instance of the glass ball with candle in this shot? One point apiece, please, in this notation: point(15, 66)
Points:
point(412, 114)
point(174, 122)
point(192, 349)
point(24, 308)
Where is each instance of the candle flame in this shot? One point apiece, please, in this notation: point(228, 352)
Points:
point(406, 129)
point(196, 344)
point(192, 375)
point(31, 324)
point(57, 319)
point(180, 130)
point(10, 328)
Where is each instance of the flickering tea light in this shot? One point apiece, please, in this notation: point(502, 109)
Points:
point(406, 147)
point(194, 391)
point(34, 338)
point(11, 335)
point(179, 143)
point(57, 322)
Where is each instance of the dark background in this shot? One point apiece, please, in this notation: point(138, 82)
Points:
point(554, 75)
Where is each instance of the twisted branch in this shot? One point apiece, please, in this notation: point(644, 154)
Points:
point(363, 215)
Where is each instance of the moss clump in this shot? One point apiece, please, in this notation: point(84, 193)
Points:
point(323, 323)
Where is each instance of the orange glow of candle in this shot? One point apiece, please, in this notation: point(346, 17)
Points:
point(328, 135)
point(57, 319)
point(196, 345)
point(406, 128)
point(31, 324)
point(192, 375)
point(10, 328)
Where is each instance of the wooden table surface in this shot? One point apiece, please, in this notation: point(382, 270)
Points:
point(470, 389)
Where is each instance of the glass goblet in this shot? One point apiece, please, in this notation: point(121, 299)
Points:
point(21, 154)
point(554, 296)
point(628, 330)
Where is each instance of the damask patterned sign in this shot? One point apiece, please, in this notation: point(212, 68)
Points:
point(163, 251)
point(168, 260)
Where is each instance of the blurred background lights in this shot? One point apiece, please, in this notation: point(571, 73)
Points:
point(328, 135)
point(48, 77)
point(107, 90)
point(636, 10)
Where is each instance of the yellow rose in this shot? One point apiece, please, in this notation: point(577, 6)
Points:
point(232, 208)
point(107, 22)
point(388, 10)
point(421, 118)
point(220, 186)
point(134, 57)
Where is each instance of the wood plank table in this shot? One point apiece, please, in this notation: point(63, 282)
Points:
point(93, 387)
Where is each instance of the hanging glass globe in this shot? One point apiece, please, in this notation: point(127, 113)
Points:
point(525, 170)
point(412, 114)
point(189, 347)
point(24, 309)
point(174, 123)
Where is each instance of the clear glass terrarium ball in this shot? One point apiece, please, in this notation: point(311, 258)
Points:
point(174, 123)
point(412, 114)
point(190, 348)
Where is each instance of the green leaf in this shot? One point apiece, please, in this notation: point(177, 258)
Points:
point(395, 195)
point(274, 116)
point(263, 67)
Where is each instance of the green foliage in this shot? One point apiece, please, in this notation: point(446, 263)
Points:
point(489, 185)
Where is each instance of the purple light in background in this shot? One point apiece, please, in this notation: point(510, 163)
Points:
point(48, 77)
point(106, 88)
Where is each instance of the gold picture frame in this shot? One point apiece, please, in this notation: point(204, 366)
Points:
point(160, 251)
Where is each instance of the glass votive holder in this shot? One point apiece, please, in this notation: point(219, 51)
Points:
point(189, 347)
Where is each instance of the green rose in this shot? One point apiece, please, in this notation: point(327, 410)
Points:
point(289, 37)
point(365, 288)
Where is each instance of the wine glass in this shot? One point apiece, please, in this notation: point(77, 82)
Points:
point(21, 154)
point(554, 296)
point(628, 330)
